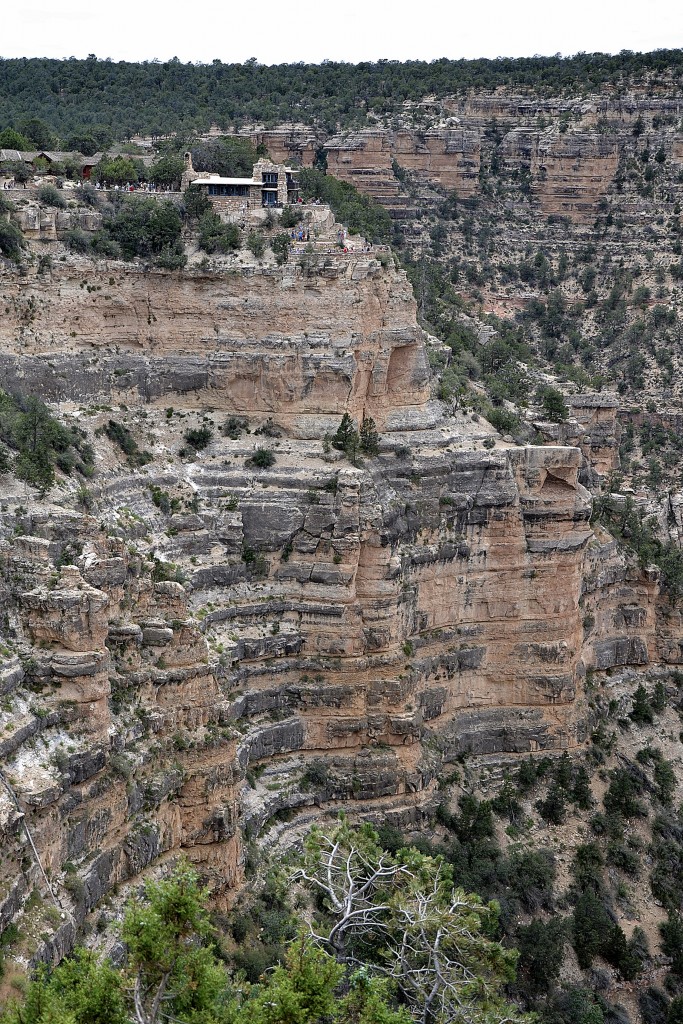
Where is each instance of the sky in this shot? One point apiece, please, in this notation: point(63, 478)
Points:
point(348, 30)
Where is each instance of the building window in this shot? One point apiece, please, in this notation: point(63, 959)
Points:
point(269, 178)
point(231, 191)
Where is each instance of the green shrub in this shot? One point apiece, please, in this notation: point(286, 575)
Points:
point(215, 236)
point(122, 436)
point(530, 875)
point(234, 426)
point(21, 172)
point(255, 959)
point(199, 437)
point(553, 808)
point(50, 196)
point(145, 228)
point(280, 247)
point(541, 954)
point(580, 789)
point(196, 203)
point(316, 774)
point(289, 217)
point(348, 440)
point(658, 699)
point(172, 257)
point(102, 245)
point(268, 429)
point(10, 138)
point(671, 931)
point(675, 1013)
point(117, 170)
point(530, 772)
point(167, 171)
point(167, 572)
point(11, 240)
point(503, 421)
point(621, 797)
point(229, 156)
point(369, 438)
point(626, 955)
point(163, 501)
point(627, 860)
point(665, 781)
point(89, 196)
point(41, 442)
point(263, 458)
point(76, 240)
point(553, 403)
point(653, 1005)
point(75, 885)
point(591, 928)
point(641, 712)
point(257, 243)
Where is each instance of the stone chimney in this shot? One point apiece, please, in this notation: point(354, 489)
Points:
point(189, 174)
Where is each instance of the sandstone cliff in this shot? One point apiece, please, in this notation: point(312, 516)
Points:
point(203, 619)
point(570, 148)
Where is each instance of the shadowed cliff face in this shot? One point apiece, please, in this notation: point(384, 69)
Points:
point(378, 618)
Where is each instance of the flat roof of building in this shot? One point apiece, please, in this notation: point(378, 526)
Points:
point(215, 179)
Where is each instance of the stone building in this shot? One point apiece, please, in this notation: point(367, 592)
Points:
point(270, 185)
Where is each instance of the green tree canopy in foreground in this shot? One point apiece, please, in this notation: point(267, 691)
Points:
point(399, 944)
point(403, 919)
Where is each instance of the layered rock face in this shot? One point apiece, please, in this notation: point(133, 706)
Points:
point(449, 158)
point(297, 348)
point(569, 150)
point(44, 225)
point(284, 144)
point(569, 173)
point(369, 621)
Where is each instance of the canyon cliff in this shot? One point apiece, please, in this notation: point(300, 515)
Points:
point(186, 644)
point(569, 153)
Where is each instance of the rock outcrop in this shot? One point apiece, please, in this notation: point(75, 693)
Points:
point(297, 346)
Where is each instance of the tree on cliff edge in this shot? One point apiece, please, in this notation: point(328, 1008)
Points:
point(172, 968)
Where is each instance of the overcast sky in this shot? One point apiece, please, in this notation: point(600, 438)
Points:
point(350, 30)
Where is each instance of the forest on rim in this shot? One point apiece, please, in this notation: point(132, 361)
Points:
point(157, 97)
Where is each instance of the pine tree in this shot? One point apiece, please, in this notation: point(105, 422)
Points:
point(345, 431)
point(369, 438)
